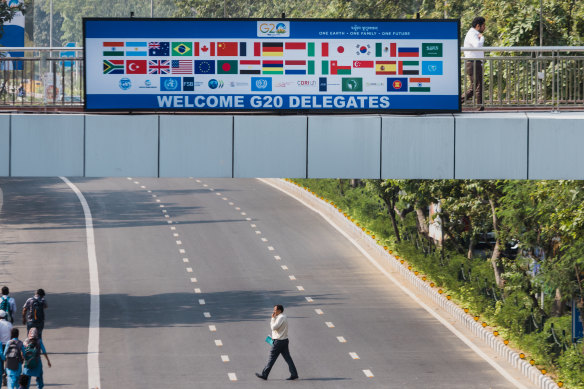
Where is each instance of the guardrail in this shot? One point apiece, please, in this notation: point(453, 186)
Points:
point(514, 77)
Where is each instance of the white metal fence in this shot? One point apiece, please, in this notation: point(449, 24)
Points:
point(513, 77)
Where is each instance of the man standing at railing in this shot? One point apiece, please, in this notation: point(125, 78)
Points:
point(474, 65)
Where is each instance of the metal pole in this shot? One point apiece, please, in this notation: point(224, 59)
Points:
point(224, 8)
point(51, 24)
point(541, 22)
point(151, 8)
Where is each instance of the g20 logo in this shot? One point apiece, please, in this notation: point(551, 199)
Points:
point(273, 29)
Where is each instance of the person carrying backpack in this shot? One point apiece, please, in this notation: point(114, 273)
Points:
point(14, 357)
point(33, 365)
point(7, 304)
point(33, 312)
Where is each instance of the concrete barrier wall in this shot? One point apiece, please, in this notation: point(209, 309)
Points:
point(479, 145)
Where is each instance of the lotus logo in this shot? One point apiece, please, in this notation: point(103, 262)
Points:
point(261, 83)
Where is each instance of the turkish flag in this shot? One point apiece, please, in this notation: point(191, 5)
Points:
point(136, 67)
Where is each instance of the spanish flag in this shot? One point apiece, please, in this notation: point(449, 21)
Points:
point(385, 67)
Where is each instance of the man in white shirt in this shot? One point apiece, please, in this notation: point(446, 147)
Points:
point(279, 326)
point(474, 64)
point(5, 328)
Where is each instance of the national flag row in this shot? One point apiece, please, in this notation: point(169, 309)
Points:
point(267, 49)
point(290, 67)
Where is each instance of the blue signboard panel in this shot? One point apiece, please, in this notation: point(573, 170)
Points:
point(577, 328)
point(288, 65)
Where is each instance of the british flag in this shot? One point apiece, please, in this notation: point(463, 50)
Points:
point(159, 67)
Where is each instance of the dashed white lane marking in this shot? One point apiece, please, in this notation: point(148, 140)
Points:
point(164, 211)
point(230, 203)
point(201, 301)
point(232, 376)
point(270, 248)
point(193, 280)
point(277, 257)
point(264, 240)
point(248, 219)
point(443, 321)
point(93, 369)
point(329, 324)
point(158, 200)
point(176, 235)
point(218, 193)
point(218, 342)
point(284, 267)
point(207, 314)
point(341, 339)
point(166, 216)
point(161, 205)
point(189, 269)
point(198, 290)
point(169, 221)
point(211, 189)
point(178, 242)
point(243, 214)
point(318, 311)
point(136, 182)
point(258, 232)
point(237, 209)
point(354, 355)
point(182, 251)
point(292, 277)
point(225, 358)
point(143, 187)
point(212, 328)
point(149, 191)
point(185, 260)
point(205, 185)
point(173, 228)
point(129, 178)
point(252, 225)
point(224, 198)
point(154, 196)
point(300, 287)
point(199, 181)
point(368, 373)
point(309, 299)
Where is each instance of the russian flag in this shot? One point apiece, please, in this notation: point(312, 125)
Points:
point(408, 52)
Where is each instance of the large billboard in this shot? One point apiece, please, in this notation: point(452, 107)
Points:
point(272, 65)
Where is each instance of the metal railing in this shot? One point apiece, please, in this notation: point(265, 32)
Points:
point(513, 77)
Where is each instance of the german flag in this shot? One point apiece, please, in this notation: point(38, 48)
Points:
point(275, 49)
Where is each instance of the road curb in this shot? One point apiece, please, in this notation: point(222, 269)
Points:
point(529, 371)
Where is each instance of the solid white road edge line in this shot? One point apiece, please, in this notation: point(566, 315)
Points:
point(458, 334)
point(93, 373)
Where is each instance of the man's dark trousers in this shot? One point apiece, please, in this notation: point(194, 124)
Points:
point(474, 69)
point(280, 347)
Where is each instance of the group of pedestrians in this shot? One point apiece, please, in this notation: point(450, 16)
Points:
point(21, 360)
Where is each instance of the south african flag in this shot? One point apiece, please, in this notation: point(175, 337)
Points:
point(113, 66)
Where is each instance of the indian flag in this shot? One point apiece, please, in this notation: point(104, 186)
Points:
point(420, 84)
point(113, 49)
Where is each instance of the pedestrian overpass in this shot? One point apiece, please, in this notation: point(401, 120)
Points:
point(496, 145)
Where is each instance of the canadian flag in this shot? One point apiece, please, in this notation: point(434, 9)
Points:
point(204, 49)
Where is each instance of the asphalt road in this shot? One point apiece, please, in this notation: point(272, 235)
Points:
point(189, 271)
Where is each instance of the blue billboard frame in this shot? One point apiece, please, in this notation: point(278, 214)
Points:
point(301, 103)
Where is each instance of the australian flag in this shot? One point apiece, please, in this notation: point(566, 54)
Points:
point(158, 49)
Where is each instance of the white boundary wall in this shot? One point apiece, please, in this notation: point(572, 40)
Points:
point(462, 146)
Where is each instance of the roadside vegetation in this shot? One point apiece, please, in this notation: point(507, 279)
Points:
point(511, 252)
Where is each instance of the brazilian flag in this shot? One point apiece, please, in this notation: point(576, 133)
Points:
point(182, 48)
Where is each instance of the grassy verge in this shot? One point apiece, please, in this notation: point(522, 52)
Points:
point(512, 315)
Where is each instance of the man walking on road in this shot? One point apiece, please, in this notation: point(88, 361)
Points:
point(279, 326)
point(33, 312)
point(474, 63)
